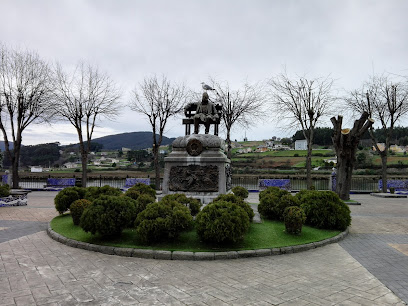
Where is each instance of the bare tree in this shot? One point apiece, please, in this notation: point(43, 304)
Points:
point(243, 106)
point(158, 100)
point(345, 142)
point(24, 98)
point(385, 101)
point(302, 102)
point(82, 98)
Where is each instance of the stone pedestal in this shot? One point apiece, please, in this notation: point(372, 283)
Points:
point(197, 167)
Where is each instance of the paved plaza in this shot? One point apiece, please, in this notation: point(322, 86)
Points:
point(369, 267)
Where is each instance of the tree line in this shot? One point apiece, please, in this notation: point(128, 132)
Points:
point(33, 91)
point(323, 136)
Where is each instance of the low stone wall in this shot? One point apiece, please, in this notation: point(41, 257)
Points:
point(178, 255)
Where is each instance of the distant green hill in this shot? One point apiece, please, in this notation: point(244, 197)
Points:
point(133, 140)
point(2, 146)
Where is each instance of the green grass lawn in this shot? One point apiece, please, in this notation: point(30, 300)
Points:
point(268, 234)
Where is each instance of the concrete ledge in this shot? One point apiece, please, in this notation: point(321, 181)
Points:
point(162, 254)
point(142, 253)
point(204, 256)
point(126, 252)
point(178, 255)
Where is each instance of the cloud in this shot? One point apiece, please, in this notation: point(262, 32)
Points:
point(192, 40)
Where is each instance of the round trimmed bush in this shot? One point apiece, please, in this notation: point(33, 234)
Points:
point(240, 192)
point(65, 198)
point(193, 204)
point(77, 208)
point(266, 207)
point(273, 201)
point(108, 215)
point(92, 193)
point(141, 189)
point(162, 220)
point(142, 201)
point(222, 222)
point(273, 191)
point(294, 217)
point(285, 201)
point(4, 191)
point(324, 209)
point(232, 198)
point(81, 191)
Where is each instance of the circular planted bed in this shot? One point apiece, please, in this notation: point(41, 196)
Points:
point(262, 239)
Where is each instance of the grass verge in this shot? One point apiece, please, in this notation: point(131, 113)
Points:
point(269, 234)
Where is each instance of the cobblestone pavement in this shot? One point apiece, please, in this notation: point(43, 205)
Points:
point(36, 270)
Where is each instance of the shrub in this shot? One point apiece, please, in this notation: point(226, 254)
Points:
point(142, 201)
point(294, 217)
point(221, 222)
point(239, 201)
point(274, 191)
point(81, 191)
point(141, 189)
point(108, 215)
point(285, 201)
point(324, 209)
point(193, 204)
point(65, 198)
point(162, 220)
point(267, 205)
point(270, 204)
point(240, 192)
point(92, 193)
point(77, 208)
point(4, 191)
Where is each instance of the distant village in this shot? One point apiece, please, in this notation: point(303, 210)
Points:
point(120, 158)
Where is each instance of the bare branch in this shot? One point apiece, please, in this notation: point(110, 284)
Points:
point(82, 98)
point(158, 100)
point(25, 97)
point(302, 102)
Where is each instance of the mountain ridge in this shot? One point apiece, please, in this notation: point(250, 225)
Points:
point(131, 140)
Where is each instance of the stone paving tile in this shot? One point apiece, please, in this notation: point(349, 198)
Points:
point(121, 280)
point(37, 270)
point(16, 229)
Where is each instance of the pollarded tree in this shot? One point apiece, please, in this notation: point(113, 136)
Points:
point(158, 100)
point(302, 102)
point(243, 106)
point(82, 98)
point(386, 101)
point(345, 142)
point(25, 98)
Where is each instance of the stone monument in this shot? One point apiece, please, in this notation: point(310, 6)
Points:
point(197, 166)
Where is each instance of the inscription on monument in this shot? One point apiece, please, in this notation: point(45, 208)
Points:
point(193, 178)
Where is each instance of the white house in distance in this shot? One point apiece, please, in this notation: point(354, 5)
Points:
point(301, 144)
point(36, 169)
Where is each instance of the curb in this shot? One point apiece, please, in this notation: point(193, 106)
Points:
point(198, 256)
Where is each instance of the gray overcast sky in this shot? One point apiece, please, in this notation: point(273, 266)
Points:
point(191, 40)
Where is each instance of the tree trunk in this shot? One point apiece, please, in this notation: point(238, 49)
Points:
point(345, 166)
point(384, 175)
point(84, 160)
point(14, 171)
point(229, 154)
point(156, 166)
point(15, 161)
point(345, 142)
point(309, 182)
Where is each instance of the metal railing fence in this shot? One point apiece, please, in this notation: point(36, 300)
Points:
point(359, 183)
